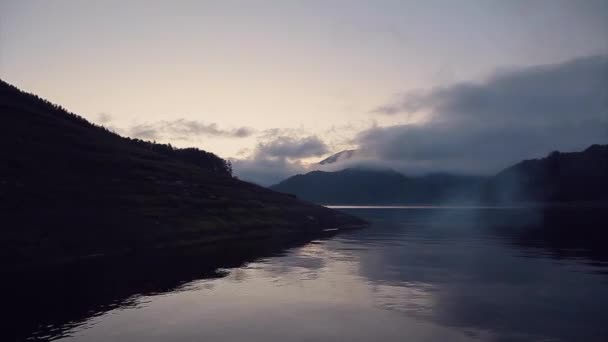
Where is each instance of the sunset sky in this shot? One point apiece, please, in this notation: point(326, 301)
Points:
point(461, 86)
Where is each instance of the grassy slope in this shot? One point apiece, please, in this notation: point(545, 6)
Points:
point(70, 189)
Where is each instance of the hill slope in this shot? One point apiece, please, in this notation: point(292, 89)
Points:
point(376, 187)
point(559, 177)
point(69, 189)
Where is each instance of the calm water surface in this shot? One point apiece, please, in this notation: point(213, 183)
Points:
point(417, 274)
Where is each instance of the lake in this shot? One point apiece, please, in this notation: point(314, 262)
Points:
point(416, 274)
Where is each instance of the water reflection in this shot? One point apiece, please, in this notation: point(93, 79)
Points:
point(50, 303)
point(422, 274)
point(476, 279)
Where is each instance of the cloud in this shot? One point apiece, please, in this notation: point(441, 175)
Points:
point(402, 104)
point(183, 129)
point(104, 118)
point(483, 127)
point(144, 131)
point(266, 171)
point(289, 147)
point(535, 92)
point(278, 158)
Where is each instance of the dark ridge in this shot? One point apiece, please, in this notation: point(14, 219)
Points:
point(13, 98)
point(380, 187)
point(575, 177)
point(559, 177)
point(70, 189)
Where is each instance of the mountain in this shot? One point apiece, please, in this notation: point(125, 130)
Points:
point(376, 187)
point(559, 177)
point(340, 156)
point(70, 189)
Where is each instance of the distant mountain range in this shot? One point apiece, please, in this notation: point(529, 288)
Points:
point(70, 189)
point(560, 177)
point(367, 186)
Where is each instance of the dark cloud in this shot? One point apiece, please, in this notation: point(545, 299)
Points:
point(482, 127)
point(278, 158)
point(537, 92)
point(183, 129)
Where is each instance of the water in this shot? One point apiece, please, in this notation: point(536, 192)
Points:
point(417, 274)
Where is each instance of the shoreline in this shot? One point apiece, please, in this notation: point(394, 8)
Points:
point(228, 243)
point(471, 206)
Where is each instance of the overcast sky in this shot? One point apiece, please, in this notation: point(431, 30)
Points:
point(465, 86)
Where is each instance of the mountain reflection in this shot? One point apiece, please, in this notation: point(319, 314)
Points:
point(427, 274)
point(64, 298)
point(460, 268)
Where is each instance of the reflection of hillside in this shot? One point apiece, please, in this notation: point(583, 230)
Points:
point(450, 270)
point(67, 297)
point(559, 232)
point(463, 268)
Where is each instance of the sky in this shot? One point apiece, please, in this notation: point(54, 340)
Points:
point(466, 86)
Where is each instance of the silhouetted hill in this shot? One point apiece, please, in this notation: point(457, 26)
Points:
point(70, 189)
point(560, 177)
point(365, 186)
